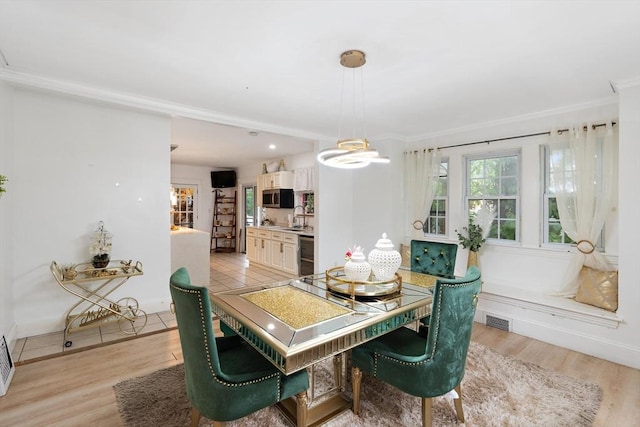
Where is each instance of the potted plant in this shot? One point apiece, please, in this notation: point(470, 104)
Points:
point(477, 232)
point(101, 247)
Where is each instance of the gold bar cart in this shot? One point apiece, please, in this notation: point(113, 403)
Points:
point(92, 286)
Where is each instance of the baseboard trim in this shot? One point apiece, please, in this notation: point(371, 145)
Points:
point(570, 339)
point(67, 352)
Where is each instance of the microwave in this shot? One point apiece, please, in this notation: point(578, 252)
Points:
point(279, 198)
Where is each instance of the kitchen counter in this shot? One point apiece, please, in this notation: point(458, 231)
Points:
point(298, 231)
point(190, 249)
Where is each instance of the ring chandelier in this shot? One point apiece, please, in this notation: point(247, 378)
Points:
point(355, 152)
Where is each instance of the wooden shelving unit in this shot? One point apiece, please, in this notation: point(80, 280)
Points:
point(223, 227)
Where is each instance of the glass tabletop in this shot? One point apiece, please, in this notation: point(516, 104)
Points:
point(299, 311)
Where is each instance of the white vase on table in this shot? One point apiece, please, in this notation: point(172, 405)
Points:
point(357, 268)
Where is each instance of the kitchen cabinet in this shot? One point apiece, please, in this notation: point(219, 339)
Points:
point(252, 244)
point(273, 248)
point(275, 180)
point(290, 253)
point(276, 252)
point(263, 247)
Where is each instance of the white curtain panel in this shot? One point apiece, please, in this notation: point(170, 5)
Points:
point(422, 168)
point(584, 178)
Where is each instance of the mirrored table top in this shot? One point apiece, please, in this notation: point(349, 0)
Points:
point(295, 322)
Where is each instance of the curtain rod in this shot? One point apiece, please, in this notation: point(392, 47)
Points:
point(507, 138)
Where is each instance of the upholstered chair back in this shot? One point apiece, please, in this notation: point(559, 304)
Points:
point(428, 367)
point(225, 377)
point(454, 308)
point(434, 258)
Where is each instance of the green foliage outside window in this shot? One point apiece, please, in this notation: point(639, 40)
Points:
point(494, 181)
point(556, 233)
point(3, 179)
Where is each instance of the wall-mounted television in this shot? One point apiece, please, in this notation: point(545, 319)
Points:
point(223, 179)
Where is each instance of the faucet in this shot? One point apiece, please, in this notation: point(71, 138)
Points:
point(304, 217)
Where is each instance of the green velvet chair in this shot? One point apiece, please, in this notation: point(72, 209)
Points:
point(425, 367)
point(433, 258)
point(226, 378)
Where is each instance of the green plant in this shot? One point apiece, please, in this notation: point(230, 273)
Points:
point(474, 239)
point(3, 179)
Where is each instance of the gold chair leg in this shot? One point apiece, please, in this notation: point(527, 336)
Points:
point(301, 409)
point(458, 404)
point(426, 412)
point(218, 424)
point(337, 371)
point(356, 379)
point(195, 417)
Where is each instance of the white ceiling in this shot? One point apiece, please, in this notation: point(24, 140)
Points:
point(273, 66)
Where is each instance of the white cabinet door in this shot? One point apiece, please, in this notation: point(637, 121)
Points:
point(290, 253)
point(275, 180)
point(276, 254)
point(264, 251)
point(290, 258)
point(252, 246)
point(252, 243)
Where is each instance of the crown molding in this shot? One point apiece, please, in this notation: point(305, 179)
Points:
point(608, 101)
point(142, 103)
point(626, 83)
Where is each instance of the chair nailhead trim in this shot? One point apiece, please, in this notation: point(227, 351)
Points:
point(377, 355)
point(208, 352)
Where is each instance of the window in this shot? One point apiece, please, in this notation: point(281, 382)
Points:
point(553, 232)
point(495, 181)
point(436, 222)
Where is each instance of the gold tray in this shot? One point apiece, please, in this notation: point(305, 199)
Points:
point(337, 282)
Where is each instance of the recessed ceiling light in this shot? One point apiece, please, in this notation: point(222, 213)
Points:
point(272, 146)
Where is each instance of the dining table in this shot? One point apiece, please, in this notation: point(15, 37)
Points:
point(298, 323)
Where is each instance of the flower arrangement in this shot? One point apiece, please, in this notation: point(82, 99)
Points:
point(353, 250)
point(478, 229)
point(3, 179)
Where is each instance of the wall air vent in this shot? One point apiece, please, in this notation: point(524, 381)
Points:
point(497, 322)
point(6, 366)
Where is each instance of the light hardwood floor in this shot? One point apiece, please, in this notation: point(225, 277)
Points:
point(76, 389)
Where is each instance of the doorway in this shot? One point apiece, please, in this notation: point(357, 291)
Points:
point(249, 209)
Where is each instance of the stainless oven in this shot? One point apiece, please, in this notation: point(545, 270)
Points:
point(306, 256)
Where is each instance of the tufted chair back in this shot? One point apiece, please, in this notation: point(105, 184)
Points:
point(434, 258)
point(225, 377)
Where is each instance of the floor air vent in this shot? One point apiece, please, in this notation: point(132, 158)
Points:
point(496, 322)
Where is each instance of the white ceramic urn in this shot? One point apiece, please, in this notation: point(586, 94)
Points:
point(357, 268)
point(384, 259)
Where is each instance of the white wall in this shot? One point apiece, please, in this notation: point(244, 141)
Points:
point(75, 163)
point(629, 206)
point(7, 324)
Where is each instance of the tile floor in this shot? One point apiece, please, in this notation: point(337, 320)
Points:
point(228, 271)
